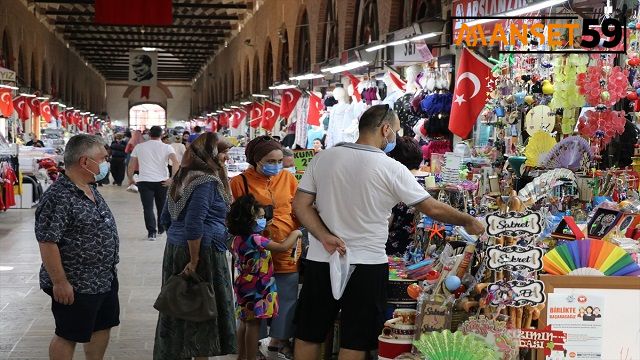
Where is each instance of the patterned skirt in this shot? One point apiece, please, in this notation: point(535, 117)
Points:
point(181, 339)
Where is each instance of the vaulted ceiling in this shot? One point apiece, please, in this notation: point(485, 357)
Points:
point(199, 29)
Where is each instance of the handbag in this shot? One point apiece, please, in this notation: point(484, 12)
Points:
point(187, 298)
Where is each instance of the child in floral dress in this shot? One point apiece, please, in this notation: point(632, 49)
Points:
point(255, 285)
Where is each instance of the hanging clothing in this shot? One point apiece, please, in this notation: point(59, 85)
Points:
point(340, 119)
point(408, 118)
point(314, 133)
point(299, 116)
point(392, 97)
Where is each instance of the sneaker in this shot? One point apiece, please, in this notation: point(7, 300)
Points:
point(151, 237)
point(160, 230)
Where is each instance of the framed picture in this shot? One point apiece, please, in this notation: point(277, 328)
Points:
point(602, 222)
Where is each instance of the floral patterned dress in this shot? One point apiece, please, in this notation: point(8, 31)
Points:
point(255, 286)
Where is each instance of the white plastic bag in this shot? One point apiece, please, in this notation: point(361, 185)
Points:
point(340, 271)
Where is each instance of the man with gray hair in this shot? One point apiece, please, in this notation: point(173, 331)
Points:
point(79, 245)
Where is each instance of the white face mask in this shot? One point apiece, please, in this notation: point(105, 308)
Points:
point(291, 169)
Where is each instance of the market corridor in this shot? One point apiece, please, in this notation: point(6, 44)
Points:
point(26, 322)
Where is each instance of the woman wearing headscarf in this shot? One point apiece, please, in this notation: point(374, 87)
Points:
point(118, 157)
point(274, 188)
point(194, 216)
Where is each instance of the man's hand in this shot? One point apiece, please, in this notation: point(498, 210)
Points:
point(474, 227)
point(332, 243)
point(63, 293)
point(167, 183)
point(190, 268)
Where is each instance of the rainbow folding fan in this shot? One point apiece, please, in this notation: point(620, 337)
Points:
point(454, 346)
point(590, 258)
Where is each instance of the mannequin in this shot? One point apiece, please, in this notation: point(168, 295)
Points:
point(412, 76)
point(393, 92)
point(340, 116)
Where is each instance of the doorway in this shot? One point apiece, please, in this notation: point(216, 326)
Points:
point(144, 116)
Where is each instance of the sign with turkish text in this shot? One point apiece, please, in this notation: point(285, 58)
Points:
point(405, 54)
point(433, 317)
point(302, 158)
point(517, 293)
point(546, 339)
point(527, 223)
point(514, 258)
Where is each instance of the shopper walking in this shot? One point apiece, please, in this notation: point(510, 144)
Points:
point(345, 199)
point(256, 292)
point(136, 138)
point(79, 246)
point(118, 157)
point(179, 148)
point(197, 131)
point(151, 159)
point(194, 216)
point(274, 189)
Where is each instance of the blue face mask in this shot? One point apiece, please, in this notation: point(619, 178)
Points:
point(104, 170)
point(390, 145)
point(271, 169)
point(260, 225)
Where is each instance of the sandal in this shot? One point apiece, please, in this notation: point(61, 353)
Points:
point(285, 353)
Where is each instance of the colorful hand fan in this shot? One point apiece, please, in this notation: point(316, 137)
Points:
point(568, 154)
point(590, 258)
point(538, 145)
point(454, 346)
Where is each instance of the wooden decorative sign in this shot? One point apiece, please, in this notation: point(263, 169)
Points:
point(433, 317)
point(514, 258)
point(527, 223)
point(517, 293)
point(545, 339)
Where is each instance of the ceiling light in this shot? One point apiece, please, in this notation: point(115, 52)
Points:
point(144, 48)
point(398, 42)
point(54, 103)
point(226, 109)
point(426, 36)
point(309, 76)
point(43, 98)
point(27, 95)
point(260, 95)
point(376, 47)
point(61, 105)
point(525, 10)
point(246, 102)
point(346, 67)
point(70, 108)
point(234, 107)
point(8, 87)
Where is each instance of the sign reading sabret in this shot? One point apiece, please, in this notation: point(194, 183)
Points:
point(528, 223)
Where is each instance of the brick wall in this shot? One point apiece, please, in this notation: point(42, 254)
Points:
point(75, 83)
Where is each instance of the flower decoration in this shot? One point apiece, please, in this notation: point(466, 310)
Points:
point(567, 94)
point(602, 125)
point(603, 84)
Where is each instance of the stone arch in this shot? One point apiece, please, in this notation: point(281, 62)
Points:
point(267, 66)
point(366, 24)
point(7, 56)
point(22, 71)
point(255, 77)
point(328, 44)
point(246, 89)
point(33, 75)
point(283, 63)
point(302, 44)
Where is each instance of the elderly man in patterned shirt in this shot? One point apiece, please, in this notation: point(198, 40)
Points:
point(79, 246)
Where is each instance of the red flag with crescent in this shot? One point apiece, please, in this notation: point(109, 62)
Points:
point(62, 116)
point(223, 119)
point(315, 107)
point(77, 118)
point(470, 96)
point(288, 102)
point(270, 113)
point(214, 123)
point(239, 116)
point(34, 105)
point(354, 82)
point(21, 107)
point(255, 115)
point(69, 116)
point(45, 111)
point(54, 111)
point(6, 102)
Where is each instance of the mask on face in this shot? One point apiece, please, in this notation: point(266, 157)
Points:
point(271, 169)
point(260, 225)
point(292, 170)
point(104, 170)
point(390, 145)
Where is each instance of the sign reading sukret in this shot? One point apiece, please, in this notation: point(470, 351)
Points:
point(528, 223)
point(514, 258)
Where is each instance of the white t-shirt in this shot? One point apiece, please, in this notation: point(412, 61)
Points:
point(153, 156)
point(356, 186)
point(180, 149)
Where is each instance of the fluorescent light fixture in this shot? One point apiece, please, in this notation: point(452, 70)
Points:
point(77, 110)
point(149, 48)
point(43, 98)
point(92, 114)
point(398, 42)
point(54, 103)
point(8, 87)
point(226, 109)
point(84, 113)
point(6, 268)
point(245, 102)
point(282, 86)
point(234, 107)
point(27, 95)
point(527, 9)
point(70, 108)
point(346, 67)
point(309, 76)
point(376, 47)
point(260, 95)
point(426, 36)
point(61, 105)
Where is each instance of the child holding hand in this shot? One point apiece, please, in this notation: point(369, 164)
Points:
point(255, 286)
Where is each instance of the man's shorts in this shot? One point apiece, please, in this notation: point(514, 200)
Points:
point(362, 304)
point(88, 314)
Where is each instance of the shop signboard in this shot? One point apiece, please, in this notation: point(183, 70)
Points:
point(7, 76)
point(405, 54)
point(481, 8)
point(302, 158)
point(514, 258)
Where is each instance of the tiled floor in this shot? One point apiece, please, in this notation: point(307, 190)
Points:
point(26, 323)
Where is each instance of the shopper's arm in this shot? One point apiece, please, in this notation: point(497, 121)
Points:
point(174, 164)
point(309, 217)
point(133, 165)
point(194, 256)
point(62, 289)
point(286, 244)
point(446, 214)
point(196, 211)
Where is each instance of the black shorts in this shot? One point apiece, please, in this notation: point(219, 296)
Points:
point(362, 306)
point(88, 314)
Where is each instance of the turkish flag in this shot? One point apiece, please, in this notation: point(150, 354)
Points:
point(288, 102)
point(255, 115)
point(354, 82)
point(270, 113)
point(315, 107)
point(70, 117)
point(6, 103)
point(395, 78)
point(45, 111)
point(470, 95)
point(77, 118)
point(134, 12)
point(54, 111)
point(21, 107)
point(62, 116)
point(34, 105)
point(214, 124)
point(239, 116)
point(223, 119)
